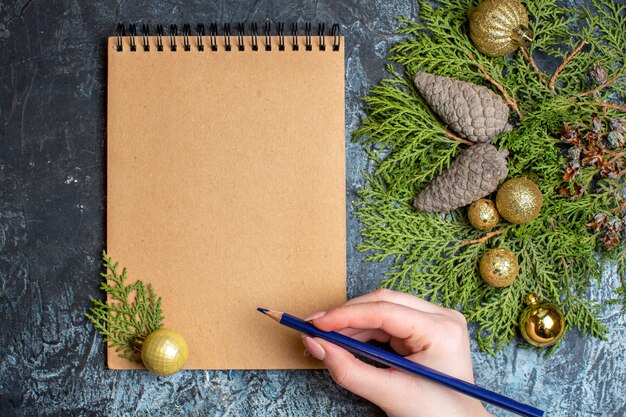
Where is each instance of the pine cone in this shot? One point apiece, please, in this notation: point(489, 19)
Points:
point(475, 173)
point(476, 113)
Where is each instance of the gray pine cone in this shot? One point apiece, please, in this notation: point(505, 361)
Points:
point(474, 174)
point(476, 113)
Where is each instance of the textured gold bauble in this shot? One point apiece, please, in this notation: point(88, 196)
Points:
point(498, 27)
point(541, 323)
point(499, 267)
point(482, 214)
point(519, 200)
point(164, 351)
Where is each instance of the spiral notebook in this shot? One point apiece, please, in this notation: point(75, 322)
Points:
point(226, 183)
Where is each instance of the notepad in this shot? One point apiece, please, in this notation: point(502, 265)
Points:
point(226, 186)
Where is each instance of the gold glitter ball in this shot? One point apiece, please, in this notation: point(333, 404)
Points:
point(499, 267)
point(541, 323)
point(164, 352)
point(483, 214)
point(519, 200)
point(498, 27)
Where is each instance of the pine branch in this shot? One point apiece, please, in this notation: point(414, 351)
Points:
point(600, 87)
point(133, 311)
point(455, 137)
point(436, 256)
point(534, 65)
point(564, 63)
point(612, 106)
point(484, 238)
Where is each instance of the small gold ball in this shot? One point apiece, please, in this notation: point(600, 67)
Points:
point(499, 267)
point(164, 352)
point(541, 323)
point(519, 200)
point(483, 214)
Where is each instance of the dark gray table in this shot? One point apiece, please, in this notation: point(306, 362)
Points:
point(52, 217)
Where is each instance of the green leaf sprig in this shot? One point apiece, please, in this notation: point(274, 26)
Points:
point(131, 313)
point(435, 256)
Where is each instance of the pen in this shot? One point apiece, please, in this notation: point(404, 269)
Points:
point(398, 362)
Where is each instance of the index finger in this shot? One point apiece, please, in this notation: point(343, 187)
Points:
point(396, 320)
point(401, 298)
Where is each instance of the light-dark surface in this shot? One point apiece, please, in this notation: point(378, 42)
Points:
point(52, 218)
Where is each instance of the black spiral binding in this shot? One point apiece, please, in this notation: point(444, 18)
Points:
point(268, 36)
point(159, 40)
point(240, 33)
point(307, 37)
point(187, 36)
point(120, 33)
point(173, 34)
point(294, 36)
point(253, 34)
point(281, 36)
point(146, 37)
point(200, 34)
point(227, 45)
point(213, 37)
point(336, 39)
point(132, 31)
point(186, 33)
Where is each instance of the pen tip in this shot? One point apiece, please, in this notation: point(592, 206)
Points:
point(263, 310)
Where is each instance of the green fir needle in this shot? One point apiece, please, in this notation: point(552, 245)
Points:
point(560, 257)
point(132, 312)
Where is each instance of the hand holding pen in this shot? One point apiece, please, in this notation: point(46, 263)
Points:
point(416, 329)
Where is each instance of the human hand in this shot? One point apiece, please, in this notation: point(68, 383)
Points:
point(416, 329)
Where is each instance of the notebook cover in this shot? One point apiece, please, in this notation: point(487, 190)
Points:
point(226, 192)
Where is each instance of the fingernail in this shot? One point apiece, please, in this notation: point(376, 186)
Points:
point(314, 348)
point(315, 316)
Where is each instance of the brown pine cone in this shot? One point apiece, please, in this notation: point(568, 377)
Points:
point(474, 174)
point(476, 113)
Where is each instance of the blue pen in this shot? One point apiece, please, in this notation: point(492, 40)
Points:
point(398, 362)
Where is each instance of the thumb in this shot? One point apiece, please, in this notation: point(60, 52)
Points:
point(349, 372)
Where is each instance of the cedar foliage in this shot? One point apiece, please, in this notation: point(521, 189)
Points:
point(436, 256)
point(131, 314)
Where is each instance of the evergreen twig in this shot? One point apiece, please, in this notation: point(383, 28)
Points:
point(564, 63)
point(485, 238)
point(600, 87)
point(533, 64)
point(436, 256)
point(132, 311)
point(612, 106)
point(460, 139)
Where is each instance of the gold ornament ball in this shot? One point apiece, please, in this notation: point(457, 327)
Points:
point(499, 267)
point(541, 323)
point(164, 352)
point(498, 27)
point(483, 214)
point(519, 200)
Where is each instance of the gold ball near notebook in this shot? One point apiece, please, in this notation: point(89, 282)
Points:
point(541, 323)
point(499, 267)
point(164, 351)
point(482, 214)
